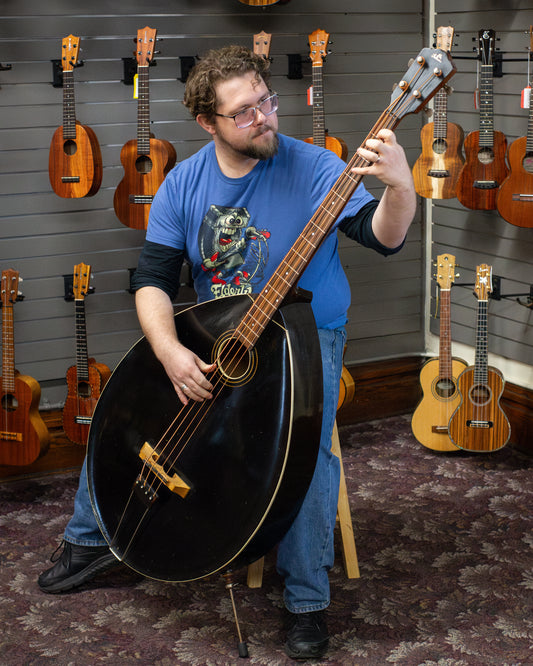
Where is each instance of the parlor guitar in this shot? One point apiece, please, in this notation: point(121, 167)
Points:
point(514, 200)
point(438, 376)
point(146, 160)
point(318, 44)
point(87, 378)
point(479, 423)
point(436, 171)
point(180, 492)
point(23, 434)
point(75, 161)
point(485, 168)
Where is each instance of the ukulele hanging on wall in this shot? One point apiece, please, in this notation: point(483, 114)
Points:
point(318, 44)
point(436, 171)
point(87, 378)
point(514, 200)
point(479, 423)
point(146, 160)
point(75, 161)
point(485, 168)
point(23, 434)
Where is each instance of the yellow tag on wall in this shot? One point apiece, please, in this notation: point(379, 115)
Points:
point(135, 86)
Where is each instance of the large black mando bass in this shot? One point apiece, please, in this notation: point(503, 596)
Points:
point(181, 492)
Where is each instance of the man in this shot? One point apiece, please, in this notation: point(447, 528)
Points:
point(233, 210)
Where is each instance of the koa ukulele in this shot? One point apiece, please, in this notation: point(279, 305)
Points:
point(23, 434)
point(438, 376)
point(180, 492)
point(514, 200)
point(318, 44)
point(479, 423)
point(146, 160)
point(485, 168)
point(87, 378)
point(75, 161)
point(436, 171)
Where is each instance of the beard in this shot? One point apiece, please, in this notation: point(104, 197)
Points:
point(263, 152)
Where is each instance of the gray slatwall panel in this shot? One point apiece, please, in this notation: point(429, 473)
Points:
point(43, 236)
point(476, 237)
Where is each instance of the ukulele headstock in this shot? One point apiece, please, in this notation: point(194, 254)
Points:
point(486, 40)
point(445, 271)
point(10, 287)
point(483, 282)
point(70, 47)
point(445, 38)
point(145, 45)
point(318, 45)
point(81, 281)
point(262, 44)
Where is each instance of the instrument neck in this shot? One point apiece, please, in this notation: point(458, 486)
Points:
point(445, 338)
point(143, 110)
point(486, 111)
point(82, 361)
point(440, 115)
point(8, 350)
point(481, 358)
point(69, 106)
point(319, 126)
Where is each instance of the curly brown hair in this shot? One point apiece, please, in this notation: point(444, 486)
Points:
point(220, 65)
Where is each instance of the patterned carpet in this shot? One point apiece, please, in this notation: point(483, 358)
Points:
point(445, 547)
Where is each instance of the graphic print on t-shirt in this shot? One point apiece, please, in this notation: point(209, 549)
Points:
point(233, 251)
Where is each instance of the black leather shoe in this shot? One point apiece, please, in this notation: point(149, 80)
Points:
point(308, 636)
point(74, 566)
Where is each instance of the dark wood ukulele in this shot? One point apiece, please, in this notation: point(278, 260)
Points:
point(438, 376)
point(479, 423)
point(485, 168)
point(436, 171)
point(318, 43)
point(514, 200)
point(87, 378)
point(146, 160)
point(23, 434)
point(75, 161)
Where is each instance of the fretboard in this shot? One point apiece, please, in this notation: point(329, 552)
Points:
point(481, 358)
point(82, 362)
point(69, 106)
point(445, 338)
point(319, 128)
point(8, 350)
point(143, 111)
point(440, 115)
point(486, 122)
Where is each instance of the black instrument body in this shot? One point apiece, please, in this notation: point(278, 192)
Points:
point(248, 464)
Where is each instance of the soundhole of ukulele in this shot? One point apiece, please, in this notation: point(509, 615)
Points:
point(445, 388)
point(439, 146)
point(480, 395)
point(9, 402)
point(527, 162)
point(70, 147)
point(84, 389)
point(143, 164)
point(486, 155)
point(236, 364)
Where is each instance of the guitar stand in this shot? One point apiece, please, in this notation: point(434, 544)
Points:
point(230, 584)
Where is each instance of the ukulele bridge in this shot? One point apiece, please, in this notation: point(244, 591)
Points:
point(83, 420)
point(11, 436)
point(70, 179)
point(437, 173)
point(522, 197)
point(479, 424)
point(485, 184)
point(140, 198)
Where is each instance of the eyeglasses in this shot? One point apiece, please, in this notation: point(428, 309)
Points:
point(246, 117)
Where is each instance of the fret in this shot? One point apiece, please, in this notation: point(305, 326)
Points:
point(445, 349)
point(69, 106)
point(82, 361)
point(143, 111)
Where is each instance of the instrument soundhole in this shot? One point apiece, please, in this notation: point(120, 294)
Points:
point(143, 164)
point(439, 146)
point(70, 147)
point(445, 387)
point(84, 389)
point(486, 156)
point(236, 364)
point(480, 395)
point(9, 402)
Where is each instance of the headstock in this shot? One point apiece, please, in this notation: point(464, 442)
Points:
point(10, 287)
point(487, 39)
point(445, 271)
point(318, 44)
point(70, 47)
point(445, 38)
point(262, 44)
point(145, 45)
point(81, 281)
point(483, 282)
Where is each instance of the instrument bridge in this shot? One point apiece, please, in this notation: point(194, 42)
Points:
point(174, 483)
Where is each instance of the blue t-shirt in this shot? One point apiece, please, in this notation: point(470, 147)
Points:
point(236, 231)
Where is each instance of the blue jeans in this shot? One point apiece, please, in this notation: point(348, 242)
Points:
point(305, 554)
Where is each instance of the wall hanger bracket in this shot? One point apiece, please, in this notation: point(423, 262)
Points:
point(68, 282)
point(186, 64)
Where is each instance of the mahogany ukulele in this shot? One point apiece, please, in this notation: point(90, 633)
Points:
point(438, 376)
point(485, 168)
point(478, 423)
point(318, 43)
point(75, 161)
point(436, 171)
point(514, 200)
point(23, 434)
point(146, 160)
point(87, 378)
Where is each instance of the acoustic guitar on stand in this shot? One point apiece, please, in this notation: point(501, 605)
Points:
point(75, 161)
point(318, 43)
point(23, 434)
point(485, 168)
point(436, 171)
point(438, 376)
point(87, 378)
point(514, 200)
point(479, 423)
point(146, 160)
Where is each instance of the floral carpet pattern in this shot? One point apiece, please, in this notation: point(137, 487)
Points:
point(445, 549)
